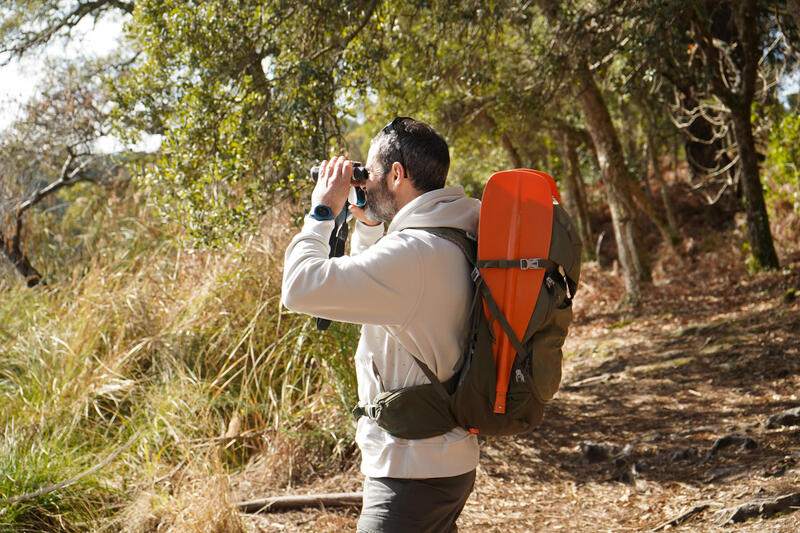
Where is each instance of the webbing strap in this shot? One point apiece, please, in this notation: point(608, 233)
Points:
point(467, 244)
point(522, 264)
point(498, 315)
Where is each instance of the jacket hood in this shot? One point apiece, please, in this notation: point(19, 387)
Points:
point(449, 208)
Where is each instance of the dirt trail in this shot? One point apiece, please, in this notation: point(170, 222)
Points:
point(663, 413)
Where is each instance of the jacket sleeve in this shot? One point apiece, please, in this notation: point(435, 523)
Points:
point(364, 236)
point(380, 286)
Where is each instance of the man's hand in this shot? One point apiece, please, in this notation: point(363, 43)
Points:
point(361, 214)
point(333, 184)
point(333, 187)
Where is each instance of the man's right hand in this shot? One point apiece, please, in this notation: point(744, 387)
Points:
point(361, 214)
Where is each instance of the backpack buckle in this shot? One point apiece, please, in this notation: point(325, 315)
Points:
point(475, 274)
point(369, 410)
point(528, 264)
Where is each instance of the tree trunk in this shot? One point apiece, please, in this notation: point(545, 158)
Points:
point(617, 181)
point(669, 236)
point(672, 222)
point(650, 156)
point(662, 185)
point(20, 261)
point(574, 194)
point(793, 8)
point(511, 150)
point(513, 154)
point(762, 248)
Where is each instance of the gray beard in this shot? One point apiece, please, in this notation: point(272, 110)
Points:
point(380, 203)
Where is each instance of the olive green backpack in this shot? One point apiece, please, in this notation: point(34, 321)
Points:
point(467, 399)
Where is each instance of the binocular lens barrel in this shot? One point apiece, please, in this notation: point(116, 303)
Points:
point(357, 196)
point(359, 173)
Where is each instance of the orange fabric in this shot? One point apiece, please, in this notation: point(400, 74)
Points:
point(515, 223)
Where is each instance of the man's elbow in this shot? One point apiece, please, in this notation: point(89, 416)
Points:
point(295, 295)
point(292, 302)
point(289, 295)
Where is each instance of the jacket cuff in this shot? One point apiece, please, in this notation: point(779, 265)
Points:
point(320, 228)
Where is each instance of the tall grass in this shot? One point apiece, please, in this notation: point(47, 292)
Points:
point(159, 360)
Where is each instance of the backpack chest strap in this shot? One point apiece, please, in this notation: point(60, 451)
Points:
point(522, 264)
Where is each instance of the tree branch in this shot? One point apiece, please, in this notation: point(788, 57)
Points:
point(71, 19)
point(345, 42)
point(20, 262)
point(71, 481)
point(12, 247)
point(343, 499)
point(68, 177)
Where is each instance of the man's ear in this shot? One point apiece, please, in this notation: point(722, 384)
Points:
point(399, 171)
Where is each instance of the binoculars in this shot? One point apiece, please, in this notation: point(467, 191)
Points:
point(357, 196)
point(359, 172)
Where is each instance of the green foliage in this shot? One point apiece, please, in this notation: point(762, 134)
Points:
point(33, 456)
point(783, 162)
point(245, 95)
point(470, 68)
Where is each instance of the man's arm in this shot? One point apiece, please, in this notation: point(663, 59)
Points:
point(364, 236)
point(379, 286)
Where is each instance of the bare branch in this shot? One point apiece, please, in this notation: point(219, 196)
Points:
point(68, 177)
point(34, 39)
point(47, 489)
point(12, 248)
point(343, 44)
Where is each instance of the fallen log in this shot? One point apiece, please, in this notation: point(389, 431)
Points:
point(760, 508)
point(681, 518)
point(282, 503)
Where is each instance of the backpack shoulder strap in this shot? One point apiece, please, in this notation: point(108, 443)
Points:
point(469, 246)
point(466, 242)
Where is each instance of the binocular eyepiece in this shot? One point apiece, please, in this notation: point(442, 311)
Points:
point(359, 173)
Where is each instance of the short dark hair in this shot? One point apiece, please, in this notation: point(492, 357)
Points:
point(419, 148)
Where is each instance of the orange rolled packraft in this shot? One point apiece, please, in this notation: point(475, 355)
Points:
point(525, 270)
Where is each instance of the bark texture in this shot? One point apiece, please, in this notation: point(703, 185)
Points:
point(617, 182)
point(574, 192)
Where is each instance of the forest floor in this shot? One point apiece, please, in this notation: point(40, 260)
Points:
point(667, 412)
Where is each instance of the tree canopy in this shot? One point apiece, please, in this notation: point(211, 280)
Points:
point(247, 95)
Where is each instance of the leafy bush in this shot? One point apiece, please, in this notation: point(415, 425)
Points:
point(783, 163)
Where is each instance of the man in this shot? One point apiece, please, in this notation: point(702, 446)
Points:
point(411, 291)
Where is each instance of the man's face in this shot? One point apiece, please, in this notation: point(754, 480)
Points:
point(381, 205)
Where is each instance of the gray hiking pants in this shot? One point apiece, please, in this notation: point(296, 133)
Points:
point(394, 505)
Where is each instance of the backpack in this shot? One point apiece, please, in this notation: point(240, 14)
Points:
point(467, 399)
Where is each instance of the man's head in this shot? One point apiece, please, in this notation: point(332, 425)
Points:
point(413, 157)
point(418, 148)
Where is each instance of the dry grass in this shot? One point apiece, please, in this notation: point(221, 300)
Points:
point(199, 504)
point(232, 399)
point(171, 345)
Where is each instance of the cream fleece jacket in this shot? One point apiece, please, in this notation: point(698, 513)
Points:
point(411, 292)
